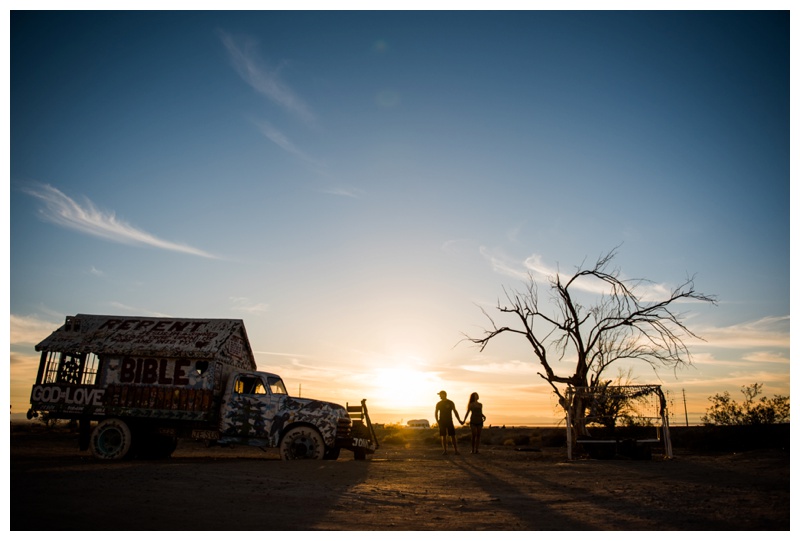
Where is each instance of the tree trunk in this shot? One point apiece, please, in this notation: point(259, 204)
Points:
point(577, 416)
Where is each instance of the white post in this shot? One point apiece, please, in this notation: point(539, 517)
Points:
point(667, 440)
point(665, 423)
point(569, 436)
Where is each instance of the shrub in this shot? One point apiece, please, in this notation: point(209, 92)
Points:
point(726, 411)
point(522, 439)
point(393, 439)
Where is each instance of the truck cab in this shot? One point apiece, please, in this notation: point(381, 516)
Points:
point(257, 410)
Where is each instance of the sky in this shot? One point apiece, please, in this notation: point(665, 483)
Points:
point(358, 186)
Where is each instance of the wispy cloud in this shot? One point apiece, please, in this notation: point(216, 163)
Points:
point(535, 267)
point(279, 138)
point(501, 265)
point(767, 357)
point(295, 368)
point(21, 362)
point(88, 219)
point(514, 233)
point(703, 358)
point(532, 266)
point(458, 246)
point(127, 309)
point(516, 367)
point(768, 332)
point(281, 354)
point(244, 304)
point(733, 381)
point(27, 330)
point(267, 82)
point(731, 361)
point(342, 191)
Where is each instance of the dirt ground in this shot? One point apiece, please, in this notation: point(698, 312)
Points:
point(54, 486)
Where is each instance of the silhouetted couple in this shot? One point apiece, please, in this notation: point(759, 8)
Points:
point(444, 416)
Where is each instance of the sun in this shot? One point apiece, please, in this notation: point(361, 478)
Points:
point(401, 388)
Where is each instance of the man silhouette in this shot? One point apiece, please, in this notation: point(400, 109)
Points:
point(444, 416)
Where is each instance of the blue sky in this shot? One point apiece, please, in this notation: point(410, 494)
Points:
point(355, 186)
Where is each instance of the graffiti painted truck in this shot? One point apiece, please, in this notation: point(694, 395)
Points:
point(138, 384)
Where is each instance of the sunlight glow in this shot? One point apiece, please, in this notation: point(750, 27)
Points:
point(402, 388)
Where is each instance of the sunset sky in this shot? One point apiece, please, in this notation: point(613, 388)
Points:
point(356, 186)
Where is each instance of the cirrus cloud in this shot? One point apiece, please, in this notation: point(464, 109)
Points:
point(267, 82)
point(86, 218)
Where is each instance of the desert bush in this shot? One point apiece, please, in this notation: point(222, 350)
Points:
point(394, 439)
point(522, 439)
point(553, 437)
point(407, 437)
point(49, 421)
point(726, 411)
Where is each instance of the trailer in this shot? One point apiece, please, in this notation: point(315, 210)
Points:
point(136, 385)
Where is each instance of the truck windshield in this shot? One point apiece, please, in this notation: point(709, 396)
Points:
point(250, 385)
point(276, 386)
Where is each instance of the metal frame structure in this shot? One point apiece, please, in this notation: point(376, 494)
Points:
point(624, 392)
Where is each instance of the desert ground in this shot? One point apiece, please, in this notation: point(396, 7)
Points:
point(516, 482)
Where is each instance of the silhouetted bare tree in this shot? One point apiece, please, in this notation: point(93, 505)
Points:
point(621, 324)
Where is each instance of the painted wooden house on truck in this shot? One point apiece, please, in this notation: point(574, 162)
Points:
point(137, 384)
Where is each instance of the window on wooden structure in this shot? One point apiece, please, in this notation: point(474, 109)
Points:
point(70, 368)
point(91, 365)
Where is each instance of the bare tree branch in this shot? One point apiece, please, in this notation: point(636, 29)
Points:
point(619, 326)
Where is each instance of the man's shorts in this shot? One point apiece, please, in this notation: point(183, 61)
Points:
point(447, 429)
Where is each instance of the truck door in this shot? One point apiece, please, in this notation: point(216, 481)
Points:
point(250, 409)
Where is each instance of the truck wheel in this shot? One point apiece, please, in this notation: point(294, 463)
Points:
point(331, 453)
point(302, 442)
point(111, 440)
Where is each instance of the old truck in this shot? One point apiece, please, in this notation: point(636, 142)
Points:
point(135, 385)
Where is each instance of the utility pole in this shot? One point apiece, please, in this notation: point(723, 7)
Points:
point(300, 391)
point(685, 411)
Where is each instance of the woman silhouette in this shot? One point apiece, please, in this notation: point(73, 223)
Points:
point(476, 420)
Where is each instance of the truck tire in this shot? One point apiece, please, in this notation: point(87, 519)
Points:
point(331, 453)
point(111, 440)
point(302, 442)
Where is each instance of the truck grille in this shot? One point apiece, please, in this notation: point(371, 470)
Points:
point(344, 428)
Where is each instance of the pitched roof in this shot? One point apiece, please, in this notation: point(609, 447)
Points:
point(152, 336)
